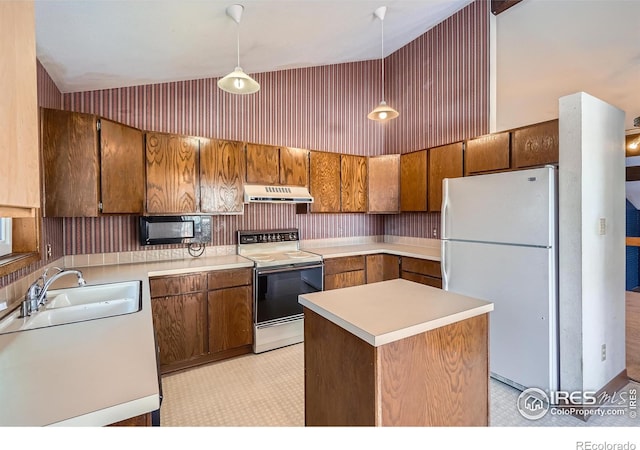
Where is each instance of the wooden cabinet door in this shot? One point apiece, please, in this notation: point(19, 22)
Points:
point(180, 322)
point(70, 162)
point(263, 164)
point(384, 184)
point(172, 174)
point(344, 279)
point(535, 145)
point(444, 162)
point(121, 168)
point(222, 168)
point(294, 166)
point(413, 181)
point(488, 153)
point(353, 183)
point(382, 267)
point(20, 167)
point(324, 181)
point(230, 318)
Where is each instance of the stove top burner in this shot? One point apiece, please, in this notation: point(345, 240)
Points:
point(274, 248)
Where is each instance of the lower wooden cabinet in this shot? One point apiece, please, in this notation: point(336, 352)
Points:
point(356, 270)
point(382, 267)
point(422, 271)
point(143, 420)
point(344, 272)
point(202, 317)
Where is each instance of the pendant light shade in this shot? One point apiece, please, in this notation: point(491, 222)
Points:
point(382, 112)
point(238, 82)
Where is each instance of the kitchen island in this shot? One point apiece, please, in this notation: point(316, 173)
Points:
point(395, 353)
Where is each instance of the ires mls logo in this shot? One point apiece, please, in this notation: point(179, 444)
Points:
point(534, 403)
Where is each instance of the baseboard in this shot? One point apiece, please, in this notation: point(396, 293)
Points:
point(608, 391)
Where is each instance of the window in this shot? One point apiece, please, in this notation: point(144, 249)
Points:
point(5, 236)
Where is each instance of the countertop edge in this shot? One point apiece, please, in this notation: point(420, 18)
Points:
point(387, 338)
point(372, 249)
point(113, 414)
point(205, 268)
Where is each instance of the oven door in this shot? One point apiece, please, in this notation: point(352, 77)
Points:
point(277, 290)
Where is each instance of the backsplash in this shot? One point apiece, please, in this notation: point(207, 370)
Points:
point(121, 234)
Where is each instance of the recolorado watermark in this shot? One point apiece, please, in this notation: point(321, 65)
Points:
point(590, 445)
point(534, 404)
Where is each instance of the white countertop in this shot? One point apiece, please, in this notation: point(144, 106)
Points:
point(380, 313)
point(414, 251)
point(95, 372)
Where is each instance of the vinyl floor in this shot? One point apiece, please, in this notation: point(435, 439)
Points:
point(267, 390)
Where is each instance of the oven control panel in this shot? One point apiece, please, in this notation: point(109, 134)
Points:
point(263, 237)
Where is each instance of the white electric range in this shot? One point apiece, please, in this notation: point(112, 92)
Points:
point(281, 272)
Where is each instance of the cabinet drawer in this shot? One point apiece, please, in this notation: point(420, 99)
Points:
point(220, 279)
point(422, 279)
point(346, 264)
point(344, 279)
point(421, 266)
point(177, 284)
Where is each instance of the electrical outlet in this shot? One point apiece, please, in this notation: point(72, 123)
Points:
point(434, 232)
point(603, 226)
point(603, 355)
point(49, 251)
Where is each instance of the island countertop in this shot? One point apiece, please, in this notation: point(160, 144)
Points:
point(385, 312)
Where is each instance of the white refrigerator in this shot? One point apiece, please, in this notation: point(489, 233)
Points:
point(499, 244)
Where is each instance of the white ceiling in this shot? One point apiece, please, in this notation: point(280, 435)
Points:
point(99, 44)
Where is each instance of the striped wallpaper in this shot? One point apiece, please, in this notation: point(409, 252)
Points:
point(439, 83)
point(49, 96)
point(120, 233)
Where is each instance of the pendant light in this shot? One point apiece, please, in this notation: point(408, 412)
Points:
point(382, 112)
point(238, 82)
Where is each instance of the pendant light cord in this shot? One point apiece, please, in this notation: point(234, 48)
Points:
point(382, 57)
point(238, 43)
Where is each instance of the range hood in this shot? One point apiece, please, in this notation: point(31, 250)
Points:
point(256, 193)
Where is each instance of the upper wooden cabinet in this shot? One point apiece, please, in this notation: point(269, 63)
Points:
point(488, 153)
point(122, 168)
point(324, 181)
point(172, 174)
point(222, 168)
point(384, 184)
point(91, 165)
point(353, 183)
point(444, 162)
point(20, 167)
point(271, 165)
point(535, 145)
point(294, 166)
point(263, 164)
point(413, 181)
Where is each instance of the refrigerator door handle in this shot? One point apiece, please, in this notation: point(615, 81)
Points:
point(443, 266)
point(444, 209)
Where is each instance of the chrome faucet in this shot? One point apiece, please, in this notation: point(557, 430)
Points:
point(36, 295)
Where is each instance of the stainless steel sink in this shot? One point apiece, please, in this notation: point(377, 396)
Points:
point(79, 304)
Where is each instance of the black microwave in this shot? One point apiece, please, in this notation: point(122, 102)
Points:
point(155, 230)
